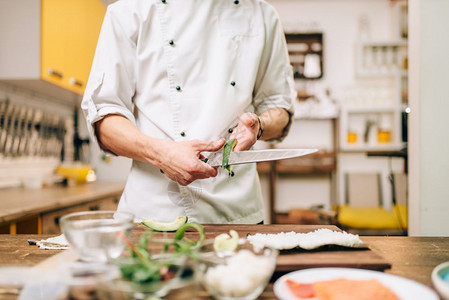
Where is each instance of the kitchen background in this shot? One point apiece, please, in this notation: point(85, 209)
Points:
point(361, 69)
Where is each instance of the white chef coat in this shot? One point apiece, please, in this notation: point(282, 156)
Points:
point(184, 70)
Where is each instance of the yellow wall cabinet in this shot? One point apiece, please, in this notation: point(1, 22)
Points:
point(49, 45)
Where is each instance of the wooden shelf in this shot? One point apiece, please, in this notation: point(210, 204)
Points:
point(320, 163)
point(366, 148)
point(370, 110)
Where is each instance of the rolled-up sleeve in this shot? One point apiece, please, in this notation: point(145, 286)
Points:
point(274, 86)
point(111, 85)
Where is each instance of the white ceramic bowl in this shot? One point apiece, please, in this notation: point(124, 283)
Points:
point(97, 236)
point(440, 284)
point(242, 274)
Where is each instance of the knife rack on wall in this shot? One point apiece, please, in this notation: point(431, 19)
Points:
point(26, 132)
point(33, 141)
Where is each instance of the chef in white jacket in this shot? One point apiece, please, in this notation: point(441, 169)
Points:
point(170, 81)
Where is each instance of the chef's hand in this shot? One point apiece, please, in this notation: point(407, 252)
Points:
point(246, 131)
point(180, 161)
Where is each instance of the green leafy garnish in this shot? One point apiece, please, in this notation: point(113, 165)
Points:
point(143, 267)
point(227, 149)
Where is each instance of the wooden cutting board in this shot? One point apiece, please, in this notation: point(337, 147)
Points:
point(327, 257)
point(302, 259)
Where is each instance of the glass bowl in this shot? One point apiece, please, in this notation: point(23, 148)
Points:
point(97, 236)
point(181, 286)
point(240, 274)
point(165, 274)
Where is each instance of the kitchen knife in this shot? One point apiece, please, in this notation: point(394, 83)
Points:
point(18, 132)
point(29, 127)
point(251, 156)
point(12, 126)
point(3, 121)
point(6, 124)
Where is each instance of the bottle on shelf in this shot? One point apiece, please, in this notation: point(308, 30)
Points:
point(352, 137)
point(369, 135)
point(384, 130)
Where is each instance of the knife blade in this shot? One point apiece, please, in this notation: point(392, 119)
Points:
point(250, 156)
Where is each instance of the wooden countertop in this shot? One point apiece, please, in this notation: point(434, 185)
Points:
point(410, 257)
point(16, 203)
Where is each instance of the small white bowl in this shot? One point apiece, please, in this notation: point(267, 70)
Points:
point(442, 286)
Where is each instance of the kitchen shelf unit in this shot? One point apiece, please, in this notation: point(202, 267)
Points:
point(323, 162)
point(381, 58)
point(377, 60)
point(49, 45)
point(354, 117)
point(306, 54)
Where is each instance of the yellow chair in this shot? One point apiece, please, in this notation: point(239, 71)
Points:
point(364, 212)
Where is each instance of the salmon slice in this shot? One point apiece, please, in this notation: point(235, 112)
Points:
point(301, 290)
point(342, 289)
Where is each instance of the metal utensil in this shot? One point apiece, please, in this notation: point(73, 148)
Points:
point(28, 131)
point(3, 121)
point(251, 156)
point(10, 131)
point(18, 131)
point(32, 146)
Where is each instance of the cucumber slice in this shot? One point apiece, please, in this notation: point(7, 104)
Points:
point(166, 226)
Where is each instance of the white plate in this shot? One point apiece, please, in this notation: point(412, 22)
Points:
point(404, 288)
point(441, 285)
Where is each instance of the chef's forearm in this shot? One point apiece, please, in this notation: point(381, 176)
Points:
point(274, 121)
point(177, 160)
point(121, 137)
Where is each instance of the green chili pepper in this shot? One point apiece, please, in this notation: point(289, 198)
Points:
point(227, 149)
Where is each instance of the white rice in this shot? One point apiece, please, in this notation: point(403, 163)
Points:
point(243, 273)
point(307, 241)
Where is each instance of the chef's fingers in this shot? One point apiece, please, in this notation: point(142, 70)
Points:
point(181, 161)
point(188, 176)
point(208, 145)
point(193, 173)
point(246, 131)
point(250, 120)
point(247, 122)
